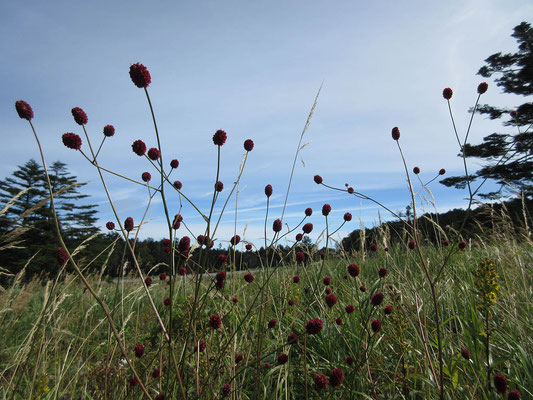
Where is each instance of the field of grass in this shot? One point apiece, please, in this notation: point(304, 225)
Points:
point(56, 343)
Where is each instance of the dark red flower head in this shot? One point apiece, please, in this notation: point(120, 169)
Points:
point(235, 240)
point(395, 133)
point(416, 170)
point(349, 360)
point(182, 271)
point(166, 301)
point(317, 179)
point(513, 114)
point(174, 164)
point(220, 276)
point(272, 323)
point(347, 217)
point(291, 302)
point(375, 325)
point(248, 144)
point(235, 300)
point(183, 246)
point(219, 138)
point(226, 390)
point(382, 272)
point(377, 298)
point(166, 242)
point(321, 382)
point(79, 116)
point(162, 276)
point(148, 281)
point(349, 309)
point(299, 237)
point(326, 209)
point(215, 322)
point(411, 244)
point(328, 290)
point(109, 130)
point(128, 224)
point(283, 358)
point(314, 326)
point(139, 350)
point(61, 256)
point(387, 310)
point(110, 225)
point(331, 300)
point(327, 280)
point(154, 153)
point(514, 395)
point(177, 184)
point(249, 278)
point(442, 171)
point(482, 87)
point(72, 141)
point(300, 257)
point(140, 76)
point(335, 377)
point(373, 247)
point(462, 245)
point(445, 243)
point(268, 190)
point(447, 93)
point(248, 247)
point(307, 228)
point(500, 381)
point(156, 373)
point(276, 226)
point(139, 147)
point(350, 190)
point(338, 321)
point(362, 288)
point(322, 255)
point(134, 381)
point(176, 223)
point(200, 347)
point(465, 353)
point(308, 211)
point(24, 109)
point(295, 279)
point(293, 338)
point(146, 176)
point(222, 259)
point(353, 270)
point(219, 186)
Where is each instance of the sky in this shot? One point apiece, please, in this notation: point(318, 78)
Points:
point(253, 69)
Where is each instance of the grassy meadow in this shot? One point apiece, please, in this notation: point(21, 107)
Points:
point(57, 340)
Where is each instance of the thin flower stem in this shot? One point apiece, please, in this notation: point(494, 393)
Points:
point(80, 274)
point(428, 276)
point(114, 173)
point(298, 150)
point(232, 190)
point(99, 148)
point(130, 247)
point(214, 194)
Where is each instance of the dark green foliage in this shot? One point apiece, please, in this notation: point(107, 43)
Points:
point(482, 221)
point(33, 211)
point(508, 158)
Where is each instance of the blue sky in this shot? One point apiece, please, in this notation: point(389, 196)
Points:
point(253, 70)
